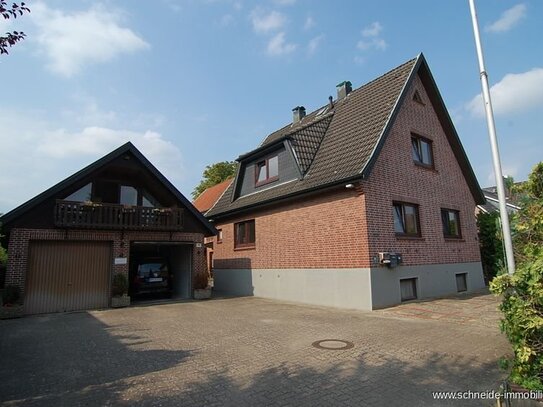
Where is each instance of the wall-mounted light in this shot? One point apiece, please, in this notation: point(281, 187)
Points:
point(349, 186)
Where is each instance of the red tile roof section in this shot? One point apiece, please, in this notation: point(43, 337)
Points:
point(207, 199)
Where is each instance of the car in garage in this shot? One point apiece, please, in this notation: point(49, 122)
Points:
point(151, 275)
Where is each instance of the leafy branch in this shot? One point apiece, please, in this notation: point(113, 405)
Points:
point(11, 38)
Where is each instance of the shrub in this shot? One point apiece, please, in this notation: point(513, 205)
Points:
point(201, 281)
point(522, 304)
point(3, 257)
point(120, 285)
point(522, 307)
point(490, 244)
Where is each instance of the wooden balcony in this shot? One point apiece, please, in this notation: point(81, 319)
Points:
point(113, 216)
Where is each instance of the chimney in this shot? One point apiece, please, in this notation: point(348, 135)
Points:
point(298, 113)
point(343, 89)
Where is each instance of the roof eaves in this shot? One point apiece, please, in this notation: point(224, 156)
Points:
point(282, 198)
point(175, 191)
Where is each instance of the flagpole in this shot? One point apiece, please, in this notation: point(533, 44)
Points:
point(508, 243)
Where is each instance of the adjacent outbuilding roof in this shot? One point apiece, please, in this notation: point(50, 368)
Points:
point(340, 142)
point(119, 152)
point(207, 199)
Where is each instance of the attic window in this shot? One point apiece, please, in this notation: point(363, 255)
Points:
point(417, 98)
point(421, 148)
point(267, 171)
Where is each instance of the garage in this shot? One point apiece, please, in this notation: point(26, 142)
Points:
point(67, 276)
point(160, 270)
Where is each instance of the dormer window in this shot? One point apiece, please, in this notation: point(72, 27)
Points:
point(267, 171)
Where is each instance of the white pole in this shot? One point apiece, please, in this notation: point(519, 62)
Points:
point(508, 243)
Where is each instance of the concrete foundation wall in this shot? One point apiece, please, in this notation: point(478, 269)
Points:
point(362, 288)
point(342, 288)
point(434, 280)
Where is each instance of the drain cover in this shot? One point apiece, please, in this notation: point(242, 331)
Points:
point(333, 344)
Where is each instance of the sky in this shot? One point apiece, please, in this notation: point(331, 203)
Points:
point(194, 82)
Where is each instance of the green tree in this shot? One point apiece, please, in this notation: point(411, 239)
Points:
point(522, 293)
point(490, 243)
point(11, 38)
point(215, 174)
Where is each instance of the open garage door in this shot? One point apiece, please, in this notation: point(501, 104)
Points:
point(67, 276)
point(160, 270)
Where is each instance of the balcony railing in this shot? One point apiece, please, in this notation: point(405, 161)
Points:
point(113, 216)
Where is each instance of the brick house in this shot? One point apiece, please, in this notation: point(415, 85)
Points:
point(364, 203)
point(65, 244)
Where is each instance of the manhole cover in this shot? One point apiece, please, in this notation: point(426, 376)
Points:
point(333, 344)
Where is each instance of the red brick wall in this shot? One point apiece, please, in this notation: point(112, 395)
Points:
point(396, 177)
point(323, 231)
point(20, 239)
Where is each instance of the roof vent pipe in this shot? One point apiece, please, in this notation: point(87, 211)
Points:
point(343, 89)
point(298, 113)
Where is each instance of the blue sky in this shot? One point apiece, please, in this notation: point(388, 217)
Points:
point(194, 82)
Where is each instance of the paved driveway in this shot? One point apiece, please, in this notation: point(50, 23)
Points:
point(243, 352)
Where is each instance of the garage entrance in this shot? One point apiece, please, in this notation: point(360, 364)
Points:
point(67, 276)
point(160, 270)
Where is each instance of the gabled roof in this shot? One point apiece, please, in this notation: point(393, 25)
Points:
point(340, 143)
point(122, 150)
point(207, 199)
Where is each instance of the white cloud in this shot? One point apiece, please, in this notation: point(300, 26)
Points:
point(508, 19)
point(359, 60)
point(514, 93)
point(309, 23)
point(278, 46)
point(267, 22)
point(372, 30)
point(41, 154)
point(376, 43)
point(372, 38)
point(314, 43)
point(73, 40)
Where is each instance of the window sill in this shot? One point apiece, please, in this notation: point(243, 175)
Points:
point(244, 248)
point(454, 239)
point(266, 182)
point(407, 237)
point(425, 166)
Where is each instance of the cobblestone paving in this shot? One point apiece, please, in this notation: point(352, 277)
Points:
point(244, 352)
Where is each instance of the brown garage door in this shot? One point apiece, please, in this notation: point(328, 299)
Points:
point(67, 276)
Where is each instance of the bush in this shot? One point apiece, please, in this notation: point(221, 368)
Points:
point(490, 244)
point(522, 304)
point(11, 295)
point(201, 281)
point(120, 285)
point(3, 257)
point(522, 307)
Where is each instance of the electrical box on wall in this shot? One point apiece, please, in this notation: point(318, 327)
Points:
point(390, 259)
